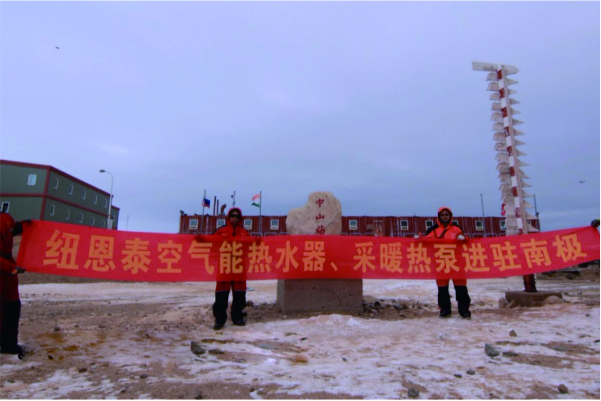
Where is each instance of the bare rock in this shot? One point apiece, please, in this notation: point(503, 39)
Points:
point(512, 333)
point(490, 350)
point(563, 389)
point(510, 353)
point(216, 351)
point(413, 392)
point(322, 214)
point(471, 372)
point(458, 375)
point(502, 303)
point(196, 348)
point(143, 376)
point(199, 395)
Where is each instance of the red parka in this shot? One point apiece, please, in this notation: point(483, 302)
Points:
point(229, 230)
point(9, 283)
point(439, 230)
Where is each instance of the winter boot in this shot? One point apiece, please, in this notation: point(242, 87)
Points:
point(238, 304)
point(220, 309)
point(463, 301)
point(444, 302)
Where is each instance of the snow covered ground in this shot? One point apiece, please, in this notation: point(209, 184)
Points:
point(99, 341)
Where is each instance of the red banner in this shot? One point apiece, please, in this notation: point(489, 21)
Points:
point(73, 250)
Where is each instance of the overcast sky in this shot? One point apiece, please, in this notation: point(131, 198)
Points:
point(375, 102)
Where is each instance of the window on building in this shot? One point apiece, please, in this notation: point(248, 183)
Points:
point(95, 199)
point(103, 223)
point(429, 223)
point(93, 221)
point(31, 179)
point(5, 206)
point(404, 224)
point(352, 225)
point(81, 217)
point(248, 224)
point(70, 189)
point(83, 194)
point(67, 214)
point(106, 203)
point(274, 224)
point(51, 210)
point(193, 224)
point(503, 225)
point(55, 183)
point(220, 223)
point(479, 225)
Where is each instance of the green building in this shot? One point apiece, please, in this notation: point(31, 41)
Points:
point(39, 192)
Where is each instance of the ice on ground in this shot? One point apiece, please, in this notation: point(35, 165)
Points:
point(344, 354)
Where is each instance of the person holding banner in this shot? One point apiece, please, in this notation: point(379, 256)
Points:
point(449, 230)
point(232, 228)
point(10, 303)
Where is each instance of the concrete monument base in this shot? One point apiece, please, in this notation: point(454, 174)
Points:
point(523, 298)
point(324, 295)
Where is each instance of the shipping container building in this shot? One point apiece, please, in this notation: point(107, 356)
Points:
point(389, 226)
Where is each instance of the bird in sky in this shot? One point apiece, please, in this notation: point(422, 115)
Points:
point(582, 182)
point(56, 47)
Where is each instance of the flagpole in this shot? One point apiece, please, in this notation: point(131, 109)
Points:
point(202, 215)
point(483, 218)
point(260, 215)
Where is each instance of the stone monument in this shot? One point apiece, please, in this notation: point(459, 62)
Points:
point(321, 215)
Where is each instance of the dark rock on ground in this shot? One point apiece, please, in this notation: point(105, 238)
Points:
point(413, 392)
point(196, 348)
point(490, 350)
point(216, 351)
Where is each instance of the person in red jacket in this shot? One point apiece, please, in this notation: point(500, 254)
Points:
point(233, 228)
point(10, 303)
point(449, 230)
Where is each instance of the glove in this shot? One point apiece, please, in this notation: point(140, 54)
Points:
point(595, 223)
point(18, 270)
point(18, 228)
point(461, 237)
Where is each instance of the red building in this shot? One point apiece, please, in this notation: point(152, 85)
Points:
point(389, 226)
